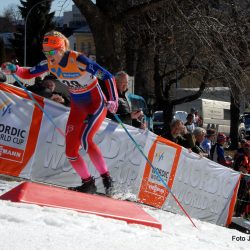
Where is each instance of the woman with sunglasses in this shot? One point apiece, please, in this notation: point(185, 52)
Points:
point(88, 106)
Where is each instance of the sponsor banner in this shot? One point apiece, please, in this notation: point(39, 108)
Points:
point(164, 156)
point(19, 128)
point(32, 148)
point(12, 154)
point(204, 188)
point(124, 162)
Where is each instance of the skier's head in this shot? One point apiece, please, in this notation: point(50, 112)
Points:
point(54, 46)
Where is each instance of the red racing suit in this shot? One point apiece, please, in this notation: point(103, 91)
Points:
point(88, 108)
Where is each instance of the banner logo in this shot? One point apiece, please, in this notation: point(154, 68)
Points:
point(5, 107)
point(12, 154)
point(159, 156)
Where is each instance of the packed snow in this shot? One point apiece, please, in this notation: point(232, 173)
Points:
point(29, 227)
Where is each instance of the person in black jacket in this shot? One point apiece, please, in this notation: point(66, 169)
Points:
point(199, 135)
point(127, 116)
point(179, 135)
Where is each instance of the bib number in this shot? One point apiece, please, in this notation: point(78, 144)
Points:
point(72, 84)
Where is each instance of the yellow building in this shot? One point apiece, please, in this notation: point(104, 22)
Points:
point(84, 42)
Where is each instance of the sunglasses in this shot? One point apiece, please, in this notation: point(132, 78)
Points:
point(50, 52)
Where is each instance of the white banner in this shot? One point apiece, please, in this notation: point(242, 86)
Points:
point(206, 189)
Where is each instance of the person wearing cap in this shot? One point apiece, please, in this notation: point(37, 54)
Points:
point(88, 105)
point(218, 152)
point(208, 142)
point(197, 120)
point(190, 123)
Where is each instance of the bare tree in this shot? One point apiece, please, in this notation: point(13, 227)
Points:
point(13, 14)
point(163, 42)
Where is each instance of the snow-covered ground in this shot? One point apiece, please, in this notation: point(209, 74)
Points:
point(30, 227)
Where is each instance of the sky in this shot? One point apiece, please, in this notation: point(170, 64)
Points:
point(29, 227)
point(56, 5)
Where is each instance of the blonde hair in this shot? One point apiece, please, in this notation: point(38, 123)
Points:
point(176, 123)
point(59, 34)
point(199, 131)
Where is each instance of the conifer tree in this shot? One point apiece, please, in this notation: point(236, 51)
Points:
point(39, 20)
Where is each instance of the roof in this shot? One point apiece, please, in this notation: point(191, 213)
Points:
point(84, 29)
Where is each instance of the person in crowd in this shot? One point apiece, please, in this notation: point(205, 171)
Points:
point(189, 139)
point(218, 152)
point(199, 135)
point(140, 121)
point(192, 111)
point(190, 123)
point(240, 150)
point(124, 111)
point(39, 89)
point(178, 134)
point(198, 122)
point(49, 82)
point(88, 106)
point(196, 117)
point(208, 142)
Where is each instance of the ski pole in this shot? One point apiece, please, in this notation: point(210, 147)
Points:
point(154, 168)
point(38, 105)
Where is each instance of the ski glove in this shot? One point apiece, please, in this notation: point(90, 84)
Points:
point(112, 106)
point(8, 68)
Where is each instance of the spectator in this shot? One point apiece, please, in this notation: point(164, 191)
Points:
point(240, 151)
point(39, 89)
point(177, 133)
point(199, 135)
point(207, 143)
point(190, 123)
point(140, 121)
point(192, 111)
point(198, 122)
point(124, 111)
point(218, 152)
point(49, 82)
point(197, 118)
point(189, 139)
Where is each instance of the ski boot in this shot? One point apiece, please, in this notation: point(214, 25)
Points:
point(108, 184)
point(88, 186)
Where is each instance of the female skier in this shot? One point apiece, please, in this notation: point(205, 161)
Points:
point(88, 106)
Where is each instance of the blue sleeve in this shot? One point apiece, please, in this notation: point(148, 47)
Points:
point(94, 68)
point(220, 153)
point(28, 73)
point(40, 68)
